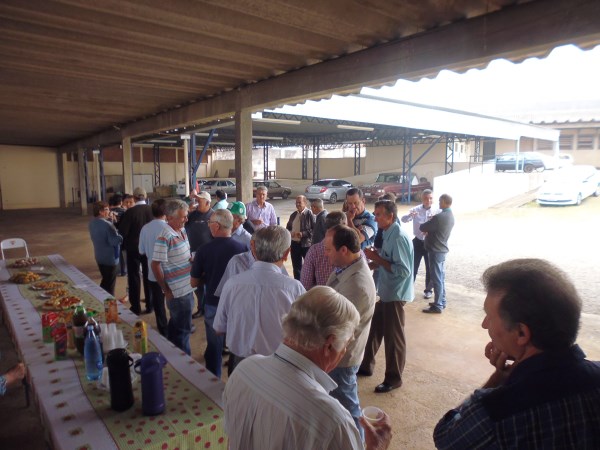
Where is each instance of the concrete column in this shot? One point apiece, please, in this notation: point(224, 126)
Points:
point(97, 185)
point(186, 163)
point(127, 165)
point(62, 195)
point(82, 181)
point(243, 155)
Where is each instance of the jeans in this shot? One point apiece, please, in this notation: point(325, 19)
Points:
point(180, 323)
point(158, 302)
point(437, 263)
point(421, 253)
point(297, 253)
point(347, 393)
point(213, 356)
point(134, 282)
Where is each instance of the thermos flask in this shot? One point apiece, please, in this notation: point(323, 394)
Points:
point(150, 368)
point(119, 378)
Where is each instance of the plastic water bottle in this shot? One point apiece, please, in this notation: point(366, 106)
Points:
point(92, 355)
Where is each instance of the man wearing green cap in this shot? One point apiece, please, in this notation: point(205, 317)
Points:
point(238, 210)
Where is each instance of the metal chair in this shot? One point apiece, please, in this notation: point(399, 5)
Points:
point(7, 244)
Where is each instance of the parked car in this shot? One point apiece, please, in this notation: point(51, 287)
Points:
point(396, 183)
point(274, 189)
point(569, 186)
point(527, 162)
point(212, 186)
point(330, 189)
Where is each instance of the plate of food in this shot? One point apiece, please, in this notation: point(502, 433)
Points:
point(27, 277)
point(47, 285)
point(54, 293)
point(62, 303)
point(23, 263)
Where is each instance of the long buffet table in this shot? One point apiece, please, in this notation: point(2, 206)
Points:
point(75, 412)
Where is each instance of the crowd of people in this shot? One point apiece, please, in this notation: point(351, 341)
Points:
point(298, 343)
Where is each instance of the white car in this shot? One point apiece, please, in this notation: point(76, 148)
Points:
point(569, 186)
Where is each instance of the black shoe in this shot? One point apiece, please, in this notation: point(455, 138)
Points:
point(432, 310)
point(197, 314)
point(363, 373)
point(384, 387)
point(137, 312)
point(147, 311)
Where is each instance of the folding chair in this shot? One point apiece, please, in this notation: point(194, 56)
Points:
point(7, 244)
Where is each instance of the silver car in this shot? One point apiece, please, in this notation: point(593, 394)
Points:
point(330, 189)
point(212, 186)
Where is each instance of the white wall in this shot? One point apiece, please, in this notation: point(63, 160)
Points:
point(29, 177)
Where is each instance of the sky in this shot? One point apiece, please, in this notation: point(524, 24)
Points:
point(563, 85)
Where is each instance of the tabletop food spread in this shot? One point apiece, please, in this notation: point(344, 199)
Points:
point(77, 412)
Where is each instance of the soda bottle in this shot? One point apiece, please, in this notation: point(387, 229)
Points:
point(97, 330)
point(79, 323)
point(92, 355)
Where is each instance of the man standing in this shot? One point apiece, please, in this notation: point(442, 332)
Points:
point(199, 234)
point(320, 213)
point(353, 280)
point(281, 401)
point(419, 215)
point(221, 200)
point(171, 268)
point(148, 236)
point(260, 213)
point(543, 392)
point(317, 267)
point(300, 226)
point(437, 232)
point(209, 264)
point(238, 211)
point(253, 303)
point(395, 287)
point(130, 227)
point(107, 246)
point(359, 218)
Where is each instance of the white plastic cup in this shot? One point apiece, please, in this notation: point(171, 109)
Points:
point(119, 340)
point(109, 342)
point(112, 328)
point(373, 414)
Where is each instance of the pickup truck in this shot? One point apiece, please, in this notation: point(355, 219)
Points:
point(395, 182)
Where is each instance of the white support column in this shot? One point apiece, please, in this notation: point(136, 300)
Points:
point(97, 186)
point(186, 162)
point(82, 186)
point(243, 155)
point(127, 165)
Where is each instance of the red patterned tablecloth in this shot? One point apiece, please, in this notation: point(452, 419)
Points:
point(77, 412)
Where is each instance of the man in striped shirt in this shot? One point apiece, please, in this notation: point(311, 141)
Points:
point(171, 266)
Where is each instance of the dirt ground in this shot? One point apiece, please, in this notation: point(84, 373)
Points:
point(445, 353)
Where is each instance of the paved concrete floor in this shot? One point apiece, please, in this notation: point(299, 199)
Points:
point(445, 353)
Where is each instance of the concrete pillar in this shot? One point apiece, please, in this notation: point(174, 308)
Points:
point(82, 181)
point(127, 165)
point(62, 195)
point(243, 155)
point(97, 184)
point(186, 163)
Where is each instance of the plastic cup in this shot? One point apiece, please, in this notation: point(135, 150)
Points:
point(373, 414)
point(119, 340)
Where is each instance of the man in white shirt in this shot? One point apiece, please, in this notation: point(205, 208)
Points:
point(419, 215)
point(281, 401)
point(148, 236)
point(252, 304)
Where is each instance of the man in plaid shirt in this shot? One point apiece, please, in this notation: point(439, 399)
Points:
point(543, 393)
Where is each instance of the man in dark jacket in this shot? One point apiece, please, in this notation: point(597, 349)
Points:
point(130, 227)
point(300, 225)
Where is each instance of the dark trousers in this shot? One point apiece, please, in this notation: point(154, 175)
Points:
point(158, 303)
point(298, 253)
point(134, 260)
point(109, 278)
point(420, 252)
point(232, 363)
point(122, 262)
point(387, 324)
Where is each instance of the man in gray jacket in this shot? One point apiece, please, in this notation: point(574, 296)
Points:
point(352, 278)
point(437, 232)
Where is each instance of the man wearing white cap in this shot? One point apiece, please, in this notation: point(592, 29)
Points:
point(238, 232)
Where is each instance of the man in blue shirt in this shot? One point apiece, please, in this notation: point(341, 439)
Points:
point(543, 392)
point(395, 287)
point(359, 218)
